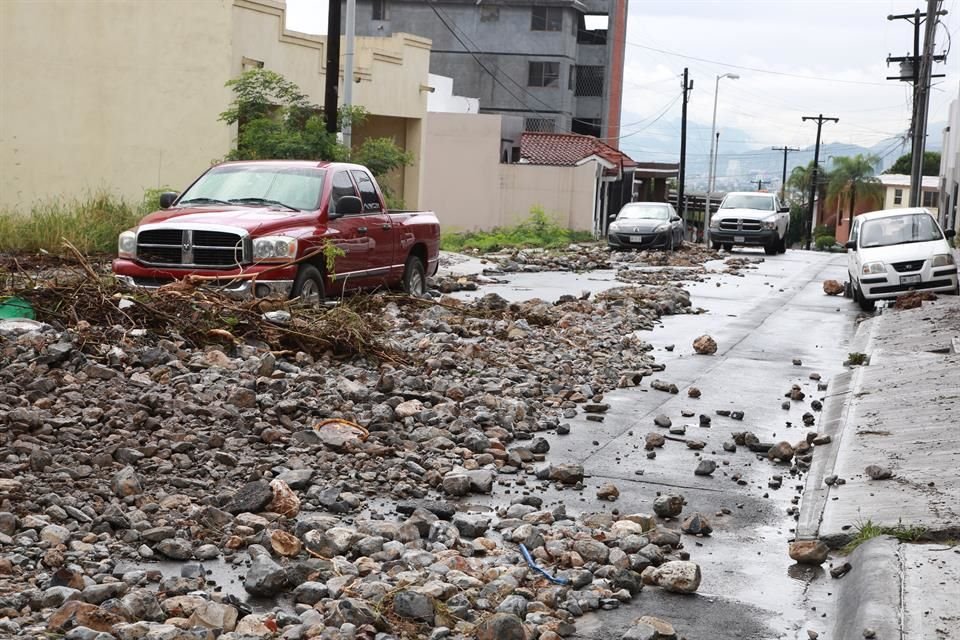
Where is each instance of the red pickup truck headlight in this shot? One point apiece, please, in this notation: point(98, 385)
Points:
point(127, 245)
point(274, 249)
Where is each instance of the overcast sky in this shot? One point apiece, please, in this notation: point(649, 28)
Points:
point(839, 47)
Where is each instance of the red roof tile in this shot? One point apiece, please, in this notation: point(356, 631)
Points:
point(567, 149)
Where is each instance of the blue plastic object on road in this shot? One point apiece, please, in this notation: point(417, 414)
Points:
point(533, 565)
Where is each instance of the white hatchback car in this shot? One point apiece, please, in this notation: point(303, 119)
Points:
point(894, 251)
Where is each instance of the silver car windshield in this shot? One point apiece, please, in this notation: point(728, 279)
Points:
point(746, 201)
point(913, 227)
point(644, 212)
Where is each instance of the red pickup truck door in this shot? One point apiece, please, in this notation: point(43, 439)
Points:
point(362, 237)
point(382, 230)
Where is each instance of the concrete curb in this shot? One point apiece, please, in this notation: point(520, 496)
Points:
point(870, 596)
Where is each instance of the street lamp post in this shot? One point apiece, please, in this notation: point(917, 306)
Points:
point(711, 177)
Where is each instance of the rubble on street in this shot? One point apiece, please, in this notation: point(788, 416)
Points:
point(324, 475)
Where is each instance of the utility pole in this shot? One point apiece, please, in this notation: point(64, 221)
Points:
point(332, 77)
point(681, 195)
point(783, 182)
point(917, 69)
point(759, 184)
point(923, 102)
point(820, 119)
point(351, 28)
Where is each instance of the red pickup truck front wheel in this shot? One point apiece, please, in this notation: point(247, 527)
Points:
point(309, 285)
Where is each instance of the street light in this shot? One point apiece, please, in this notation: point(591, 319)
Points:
point(711, 176)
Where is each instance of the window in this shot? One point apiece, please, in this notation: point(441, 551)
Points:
point(381, 10)
point(368, 193)
point(541, 125)
point(930, 199)
point(592, 29)
point(489, 14)
point(898, 196)
point(546, 19)
point(589, 80)
point(587, 126)
point(341, 186)
point(298, 187)
point(544, 74)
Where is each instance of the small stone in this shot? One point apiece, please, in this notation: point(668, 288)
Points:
point(654, 440)
point(832, 287)
point(413, 606)
point(284, 501)
point(662, 421)
point(840, 571)
point(812, 552)
point(608, 491)
point(697, 525)
point(668, 506)
point(176, 549)
point(250, 498)
point(567, 473)
point(705, 468)
point(782, 451)
point(501, 626)
point(284, 544)
point(678, 576)
point(876, 472)
point(705, 345)
point(126, 483)
point(693, 392)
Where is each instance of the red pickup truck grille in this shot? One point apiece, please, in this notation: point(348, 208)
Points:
point(191, 248)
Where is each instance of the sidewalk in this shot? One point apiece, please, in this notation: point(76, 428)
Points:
point(902, 413)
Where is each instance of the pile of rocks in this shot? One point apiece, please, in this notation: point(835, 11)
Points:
point(584, 257)
point(115, 454)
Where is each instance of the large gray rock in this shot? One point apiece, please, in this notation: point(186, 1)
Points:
point(176, 549)
point(501, 626)
point(676, 576)
point(126, 483)
point(413, 606)
point(265, 577)
point(592, 550)
point(668, 506)
point(250, 498)
point(143, 605)
point(471, 526)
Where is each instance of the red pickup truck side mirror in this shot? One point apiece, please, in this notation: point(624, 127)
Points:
point(348, 205)
point(167, 198)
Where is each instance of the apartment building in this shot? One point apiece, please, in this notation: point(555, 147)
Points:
point(556, 63)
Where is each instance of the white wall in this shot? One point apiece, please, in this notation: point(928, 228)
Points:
point(442, 100)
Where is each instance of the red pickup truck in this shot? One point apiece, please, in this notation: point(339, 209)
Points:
point(250, 224)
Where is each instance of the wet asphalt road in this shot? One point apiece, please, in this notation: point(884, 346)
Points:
point(761, 322)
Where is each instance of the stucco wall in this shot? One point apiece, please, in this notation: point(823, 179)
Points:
point(469, 189)
point(124, 95)
point(564, 193)
point(112, 94)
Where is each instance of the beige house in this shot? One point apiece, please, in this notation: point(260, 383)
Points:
point(124, 95)
point(897, 191)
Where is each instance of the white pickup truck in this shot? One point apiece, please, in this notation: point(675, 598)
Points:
point(751, 219)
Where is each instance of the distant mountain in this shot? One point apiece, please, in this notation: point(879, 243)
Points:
point(741, 164)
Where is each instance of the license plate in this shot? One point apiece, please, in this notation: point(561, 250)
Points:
point(910, 279)
point(636, 238)
point(738, 238)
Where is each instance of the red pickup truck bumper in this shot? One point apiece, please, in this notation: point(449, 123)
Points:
point(272, 281)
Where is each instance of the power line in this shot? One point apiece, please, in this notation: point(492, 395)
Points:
point(756, 69)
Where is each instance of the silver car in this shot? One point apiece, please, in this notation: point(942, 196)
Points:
point(646, 225)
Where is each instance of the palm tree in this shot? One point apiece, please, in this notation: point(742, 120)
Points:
point(854, 177)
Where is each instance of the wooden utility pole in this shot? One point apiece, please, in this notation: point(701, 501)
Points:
point(783, 182)
point(681, 196)
point(820, 119)
point(331, 93)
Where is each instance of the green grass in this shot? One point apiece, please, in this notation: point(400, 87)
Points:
point(868, 530)
point(537, 231)
point(91, 224)
point(855, 358)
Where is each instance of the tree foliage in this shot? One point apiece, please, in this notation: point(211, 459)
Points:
point(276, 120)
point(853, 177)
point(904, 164)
